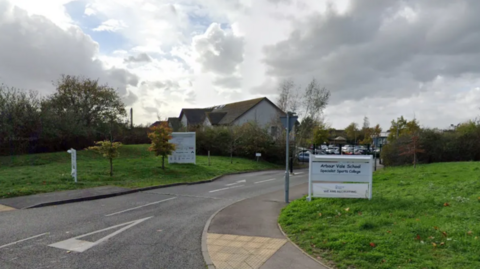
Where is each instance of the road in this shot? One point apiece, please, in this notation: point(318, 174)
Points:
point(154, 229)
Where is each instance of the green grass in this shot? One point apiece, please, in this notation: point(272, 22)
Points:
point(411, 210)
point(136, 167)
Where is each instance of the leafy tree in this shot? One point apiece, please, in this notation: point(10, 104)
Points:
point(352, 131)
point(84, 103)
point(107, 149)
point(402, 127)
point(160, 136)
point(306, 127)
point(321, 134)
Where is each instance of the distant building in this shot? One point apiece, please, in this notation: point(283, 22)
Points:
point(260, 110)
point(381, 139)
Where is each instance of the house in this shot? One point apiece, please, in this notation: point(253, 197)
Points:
point(260, 110)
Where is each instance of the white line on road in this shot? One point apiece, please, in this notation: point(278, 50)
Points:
point(73, 244)
point(227, 188)
point(238, 182)
point(16, 242)
point(265, 180)
point(133, 208)
point(299, 173)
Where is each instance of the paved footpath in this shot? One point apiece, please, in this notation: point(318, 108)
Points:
point(246, 235)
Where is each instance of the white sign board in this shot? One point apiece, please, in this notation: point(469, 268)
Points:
point(258, 154)
point(184, 148)
point(340, 176)
point(333, 190)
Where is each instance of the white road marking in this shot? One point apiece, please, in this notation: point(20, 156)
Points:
point(238, 182)
point(265, 180)
point(73, 244)
point(227, 188)
point(133, 208)
point(299, 173)
point(19, 241)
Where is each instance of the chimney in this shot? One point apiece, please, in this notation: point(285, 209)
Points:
point(131, 118)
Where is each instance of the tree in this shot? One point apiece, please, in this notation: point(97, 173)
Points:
point(84, 102)
point(234, 138)
point(315, 99)
point(412, 148)
point(402, 127)
point(160, 136)
point(306, 128)
point(289, 98)
point(107, 149)
point(321, 134)
point(352, 131)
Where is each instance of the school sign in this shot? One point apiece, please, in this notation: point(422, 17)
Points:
point(340, 176)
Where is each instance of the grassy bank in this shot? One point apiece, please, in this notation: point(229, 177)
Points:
point(136, 167)
point(423, 218)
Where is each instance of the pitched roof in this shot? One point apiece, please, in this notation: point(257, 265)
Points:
point(215, 117)
point(222, 114)
point(157, 123)
point(234, 110)
point(195, 115)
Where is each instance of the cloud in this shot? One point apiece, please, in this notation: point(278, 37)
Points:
point(218, 51)
point(141, 57)
point(34, 52)
point(380, 48)
point(230, 82)
point(110, 25)
point(191, 97)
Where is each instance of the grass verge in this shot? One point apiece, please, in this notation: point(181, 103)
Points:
point(136, 167)
point(423, 218)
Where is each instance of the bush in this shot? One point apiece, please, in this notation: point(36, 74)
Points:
point(462, 144)
point(241, 141)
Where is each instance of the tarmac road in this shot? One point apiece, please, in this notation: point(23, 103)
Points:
point(154, 229)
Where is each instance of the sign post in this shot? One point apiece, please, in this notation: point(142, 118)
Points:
point(258, 155)
point(74, 163)
point(288, 123)
point(340, 177)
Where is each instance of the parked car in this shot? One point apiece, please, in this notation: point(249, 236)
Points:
point(303, 157)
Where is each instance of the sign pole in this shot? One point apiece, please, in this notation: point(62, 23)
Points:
point(73, 153)
point(286, 162)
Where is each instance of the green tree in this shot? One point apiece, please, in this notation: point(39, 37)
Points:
point(160, 136)
point(306, 127)
point(107, 149)
point(84, 103)
point(352, 131)
point(321, 134)
point(402, 127)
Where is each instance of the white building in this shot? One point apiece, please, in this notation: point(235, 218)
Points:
point(262, 111)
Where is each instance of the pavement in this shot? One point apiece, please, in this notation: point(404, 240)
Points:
point(246, 235)
point(160, 228)
point(60, 197)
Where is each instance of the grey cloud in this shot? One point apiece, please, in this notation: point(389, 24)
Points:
point(231, 82)
point(191, 97)
point(140, 58)
point(165, 84)
point(372, 50)
point(219, 52)
point(151, 110)
point(34, 52)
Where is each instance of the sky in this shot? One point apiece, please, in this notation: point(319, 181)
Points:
point(379, 59)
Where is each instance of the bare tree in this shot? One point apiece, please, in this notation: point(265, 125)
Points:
point(285, 90)
point(315, 99)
